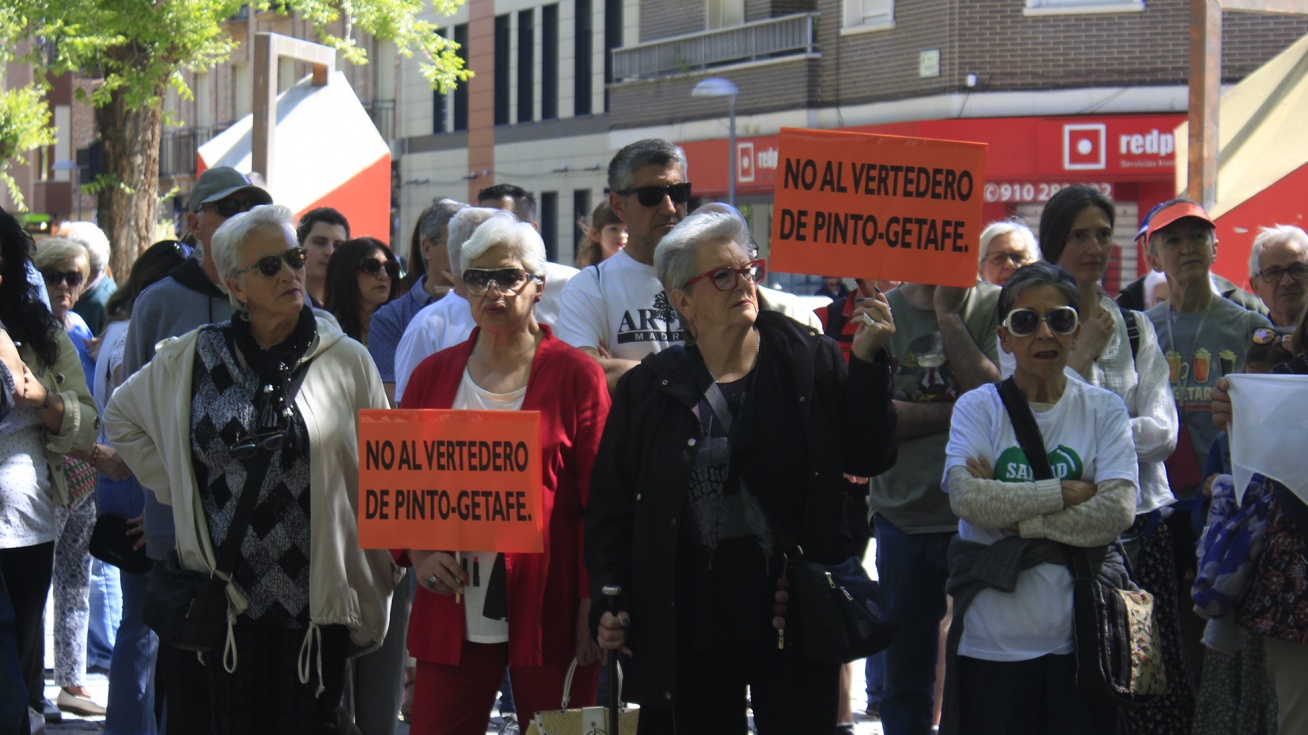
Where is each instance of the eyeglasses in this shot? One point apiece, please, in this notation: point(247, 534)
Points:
point(1298, 271)
point(999, 260)
point(1062, 320)
point(652, 196)
point(271, 440)
point(229, 207)
point(271, 265)
point(1267, 336)
point(508, 280)
point(54, 278)
point(724, 279)
point(373, 267)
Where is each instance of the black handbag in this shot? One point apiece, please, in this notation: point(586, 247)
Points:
point(842, 613)
point(188, 608)
point(111, 544)
point(1119, 657)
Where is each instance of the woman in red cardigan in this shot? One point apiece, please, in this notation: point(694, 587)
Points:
point(481, 611)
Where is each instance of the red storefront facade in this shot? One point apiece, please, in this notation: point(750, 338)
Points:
point(1131, 158)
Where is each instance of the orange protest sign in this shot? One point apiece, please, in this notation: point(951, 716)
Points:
point(878, 206)
point(450, 480)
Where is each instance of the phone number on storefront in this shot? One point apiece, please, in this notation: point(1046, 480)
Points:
point(1030, 191)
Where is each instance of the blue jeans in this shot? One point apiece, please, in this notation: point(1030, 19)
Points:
point(106, 614)
point(913, 569)
point(875, 672)
point(131, 674)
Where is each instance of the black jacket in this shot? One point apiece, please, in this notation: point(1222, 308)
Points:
point(811, 420)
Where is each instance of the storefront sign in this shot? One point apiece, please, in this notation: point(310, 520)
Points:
point(453, 480)
point(1034, 191)
point(878, 206)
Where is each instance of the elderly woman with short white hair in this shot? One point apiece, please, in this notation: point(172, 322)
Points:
point(718, 458)
point(268, 405)
point(526, 611)
point(1005, 246)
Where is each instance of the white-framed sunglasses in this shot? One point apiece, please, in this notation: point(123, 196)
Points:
point(1024, 322)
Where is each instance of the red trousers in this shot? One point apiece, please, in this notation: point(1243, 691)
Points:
point(457, 700)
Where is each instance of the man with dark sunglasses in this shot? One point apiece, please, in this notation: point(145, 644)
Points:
point(188, 298)
point(617, 311)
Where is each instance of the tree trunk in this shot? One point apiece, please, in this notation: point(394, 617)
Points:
point(130, 159)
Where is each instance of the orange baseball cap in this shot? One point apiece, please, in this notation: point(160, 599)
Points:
point(1176, 210)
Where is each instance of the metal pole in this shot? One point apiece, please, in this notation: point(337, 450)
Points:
point(731, 153)
point(77, 189)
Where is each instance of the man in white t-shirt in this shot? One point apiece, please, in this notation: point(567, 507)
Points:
point(617, 311)
point(447, 322)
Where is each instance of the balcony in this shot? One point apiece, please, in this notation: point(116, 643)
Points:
point(775, 38)
point(177, 152)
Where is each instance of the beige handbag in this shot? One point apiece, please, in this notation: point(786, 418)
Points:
point(582, 720)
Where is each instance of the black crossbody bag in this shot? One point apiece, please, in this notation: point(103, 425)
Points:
point(188, 608)
point(842, 613)
point(1119, 655)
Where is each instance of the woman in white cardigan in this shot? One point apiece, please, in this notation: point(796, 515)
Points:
point(268, 403)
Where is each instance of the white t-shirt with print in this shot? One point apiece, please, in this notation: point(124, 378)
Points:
point(1087, 434)
point(478, 565)
point(619, 303)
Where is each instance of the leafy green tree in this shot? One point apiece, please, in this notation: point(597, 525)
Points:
point(137, 49)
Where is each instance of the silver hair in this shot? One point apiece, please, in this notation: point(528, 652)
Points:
point(53, 250)
point(674, 258)
point(641, 154)
point(92, 238)
point(437, 219)
point(1015, 227)
point(229, 239)
point(519, 238)
point(462, 227)
point(1271, 236)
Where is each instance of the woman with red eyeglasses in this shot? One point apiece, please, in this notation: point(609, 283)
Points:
point(248, 429)
point(362, 276)
point(717, 459)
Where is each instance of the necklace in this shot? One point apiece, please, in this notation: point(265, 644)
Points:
point(758, 346)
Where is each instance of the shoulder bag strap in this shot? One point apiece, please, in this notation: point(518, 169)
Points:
point(230, 552)
point(1132, 330)
point(1026, 429)
point(1033, 445)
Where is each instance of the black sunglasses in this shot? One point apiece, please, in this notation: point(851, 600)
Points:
point(272, 441)
point(229, 207)
point(372, 267)
point(271, 265)
point(509, 280)
point(652, 196)
point(53, 277)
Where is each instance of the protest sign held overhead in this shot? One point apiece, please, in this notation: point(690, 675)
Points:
point(878, 206)
point(450, 480)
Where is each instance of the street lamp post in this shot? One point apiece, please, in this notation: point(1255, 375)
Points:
point(719, 87)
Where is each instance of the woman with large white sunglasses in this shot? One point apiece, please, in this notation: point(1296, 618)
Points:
point(1011, 665)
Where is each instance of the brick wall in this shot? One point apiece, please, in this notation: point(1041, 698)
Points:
point(1011, 51)
point(663, 18)
point(787, 85)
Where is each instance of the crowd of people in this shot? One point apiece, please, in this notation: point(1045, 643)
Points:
point(696, 428)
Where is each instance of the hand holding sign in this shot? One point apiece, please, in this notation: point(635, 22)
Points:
point(438, 571)
point(876, 325)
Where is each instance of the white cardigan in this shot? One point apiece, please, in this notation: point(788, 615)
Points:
point(148, 422)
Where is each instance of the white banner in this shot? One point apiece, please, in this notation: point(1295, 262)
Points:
point(1268, 423)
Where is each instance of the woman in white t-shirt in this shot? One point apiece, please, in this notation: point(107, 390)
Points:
point(478, 611)
point(1014, 668)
